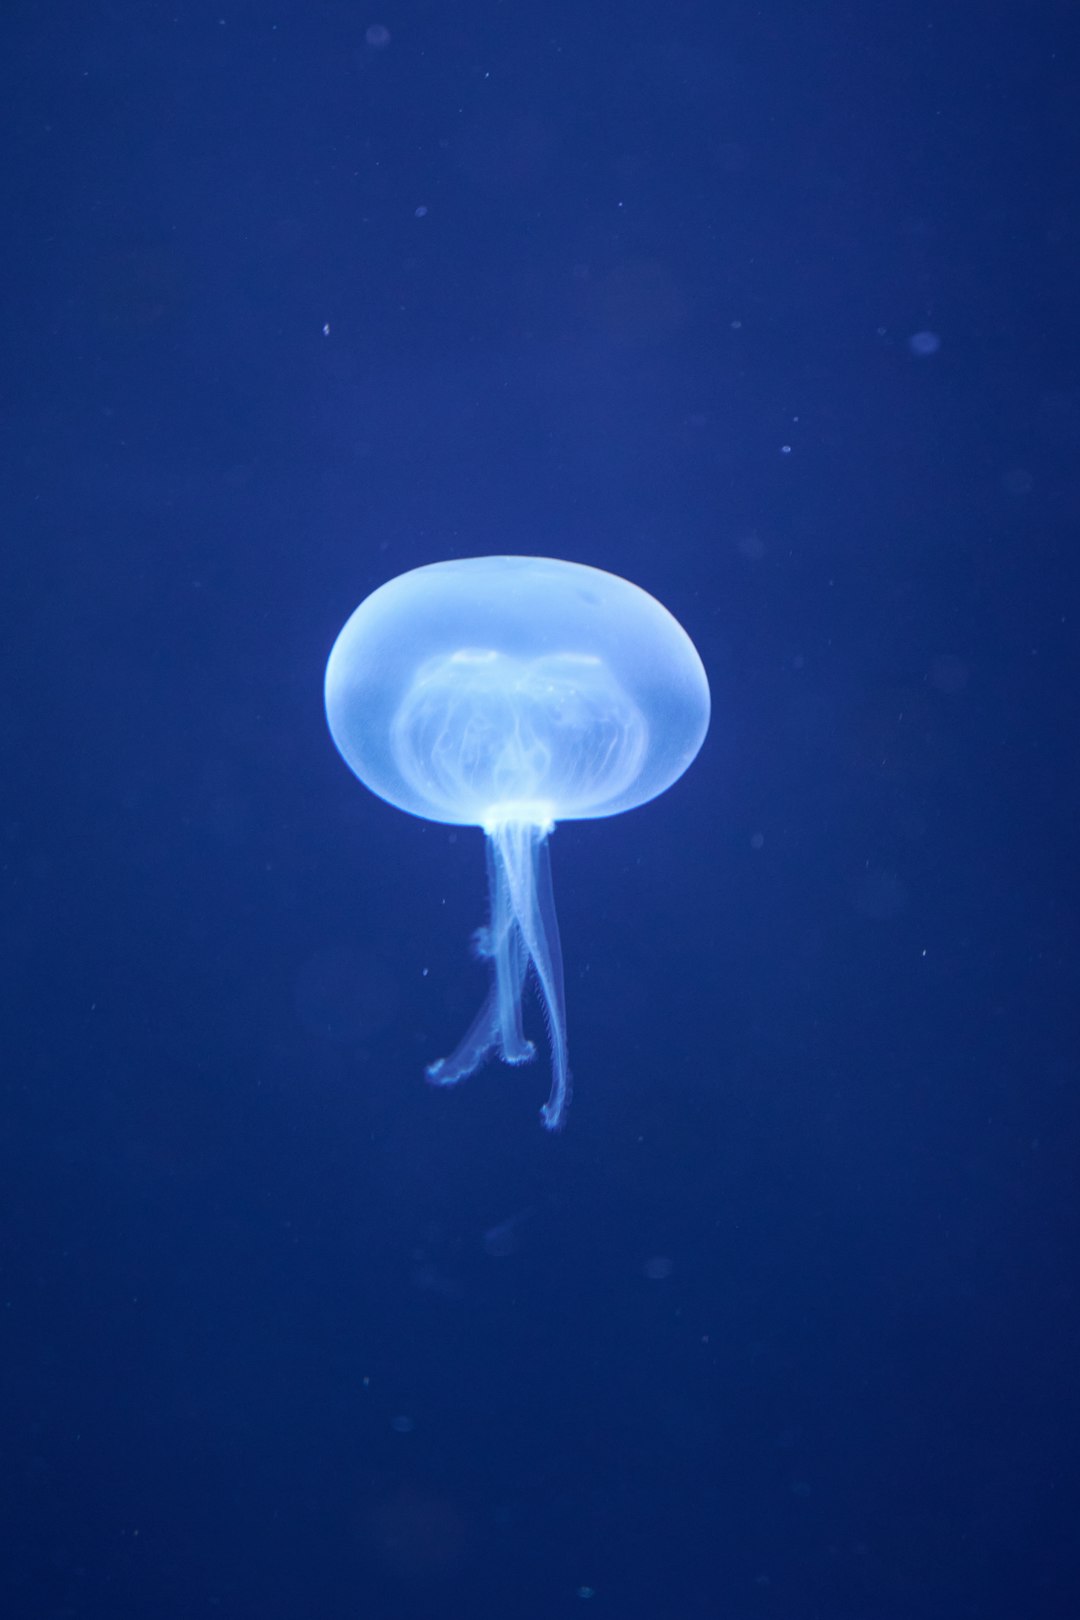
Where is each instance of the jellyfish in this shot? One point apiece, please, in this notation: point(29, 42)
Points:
point(511, 693)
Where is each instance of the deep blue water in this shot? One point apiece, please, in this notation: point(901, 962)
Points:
point(770, 308)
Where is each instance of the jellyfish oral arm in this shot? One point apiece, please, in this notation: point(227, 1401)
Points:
point(521, 852)
point(523, 929)
point(497, 1030)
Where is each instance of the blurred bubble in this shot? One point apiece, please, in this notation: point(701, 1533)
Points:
point(924, 343)
point(377, 35)
point(657, 1268)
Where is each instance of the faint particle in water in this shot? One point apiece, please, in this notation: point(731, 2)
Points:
point(420, 212)
point(1059, 418)
point(949, 674)
point(752, 546)
point(757, 841)
point(431, 1281)
point(1017, 481)
point(923, 344)
point(731, 157)
point(226, 817)
point(657, 1267)
point(881, 895)
point(502, 1240)
point(423, 1538)
point(641, 301)
point(402, 1425)
point(586, 1591)
point(377, 36)
point(345, 995)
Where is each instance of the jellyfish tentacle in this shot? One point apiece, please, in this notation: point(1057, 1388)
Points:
point(521, 851)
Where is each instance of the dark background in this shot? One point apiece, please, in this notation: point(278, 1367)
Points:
point(785, 1325)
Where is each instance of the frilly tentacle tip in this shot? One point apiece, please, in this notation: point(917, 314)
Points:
point(435, 1076)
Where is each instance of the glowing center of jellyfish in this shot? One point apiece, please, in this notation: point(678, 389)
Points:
point(518, 740)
